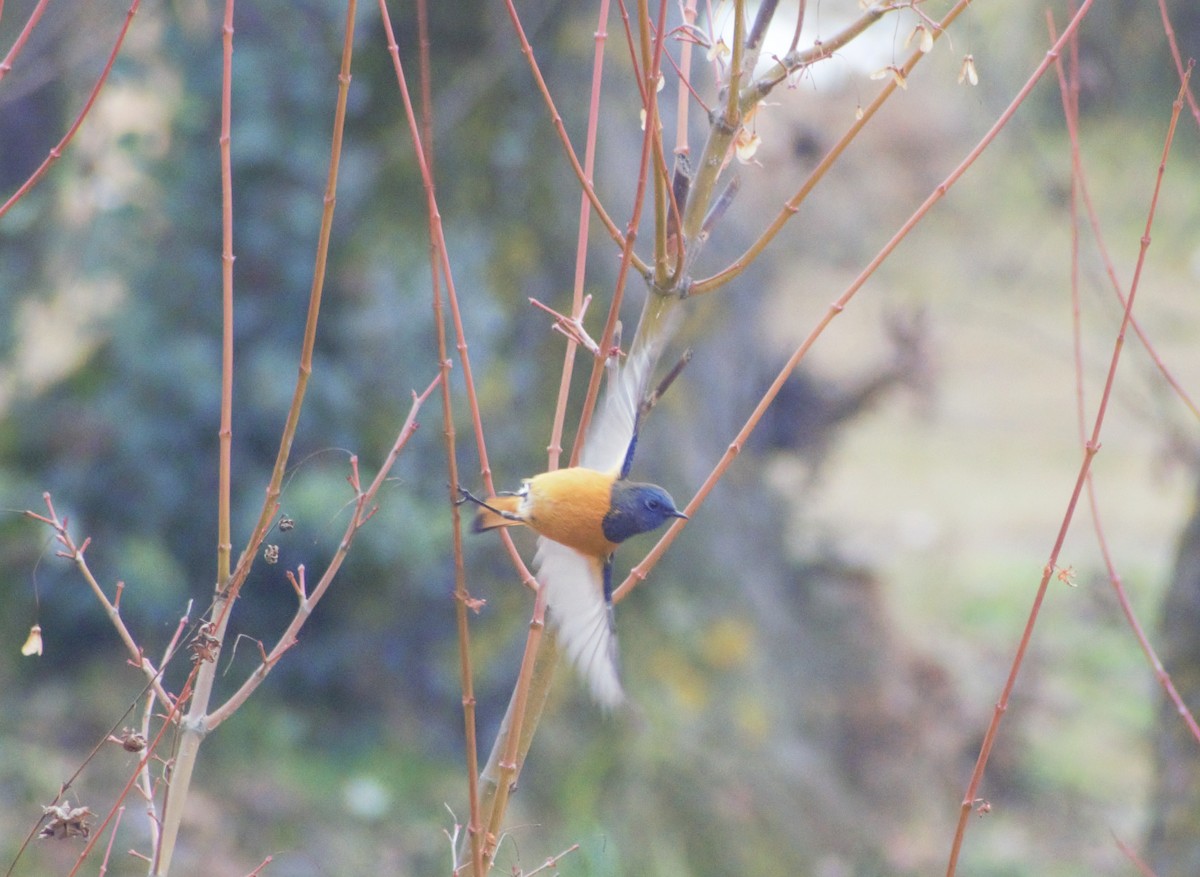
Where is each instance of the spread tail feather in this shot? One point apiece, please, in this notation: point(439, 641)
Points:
point(489, 518)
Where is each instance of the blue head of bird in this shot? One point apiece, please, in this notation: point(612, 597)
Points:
point(637, 508)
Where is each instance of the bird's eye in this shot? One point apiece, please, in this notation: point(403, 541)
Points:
point(652, 504)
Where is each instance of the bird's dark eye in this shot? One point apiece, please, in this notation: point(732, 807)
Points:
point(652, 504)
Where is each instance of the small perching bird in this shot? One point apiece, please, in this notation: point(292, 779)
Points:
point(581, 514)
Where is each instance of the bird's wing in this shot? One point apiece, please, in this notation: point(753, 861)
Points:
point(577, 592)
point(582, 616)
point(613, 434)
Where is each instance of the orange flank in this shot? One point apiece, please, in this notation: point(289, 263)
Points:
point(565, 505)
point(581, 514)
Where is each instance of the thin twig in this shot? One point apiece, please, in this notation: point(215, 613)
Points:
point(76, 553)
point(1181, 68)
point(564, 138)
point(57, 151)
point(1134, 859)
point(555, 447)
point(640, 571)
point(30, 23)
point(229, 585)
point(112, 836)
point(440, 270)
point(1091, 447)
point(792, 205)
point(1069, 90)
point(364, 507)
point(1079, 182)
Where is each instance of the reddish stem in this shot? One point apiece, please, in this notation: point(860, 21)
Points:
point(1091, 447)
point(57, 151)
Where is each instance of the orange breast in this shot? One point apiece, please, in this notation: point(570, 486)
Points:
point(568, 506)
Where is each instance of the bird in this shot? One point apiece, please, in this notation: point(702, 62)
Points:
point(581, 514)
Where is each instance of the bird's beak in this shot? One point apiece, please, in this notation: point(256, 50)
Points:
point(679, 514)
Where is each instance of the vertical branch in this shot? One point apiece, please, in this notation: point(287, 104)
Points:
point(440, 269)
point(651, 69)
point(189, 741)
point(510, 751)
point(1091, 448)
point(519, 723)
point(316, 292)
point(554, 450)
point(533, 682)
point(733, 116)
point(685, 73)
point(147, 784)
point(722, 130)
point(193, 725)
point(556, 120)
point(225, 433)
point(628, 257)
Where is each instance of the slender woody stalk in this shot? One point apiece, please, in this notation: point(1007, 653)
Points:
point(194, 725)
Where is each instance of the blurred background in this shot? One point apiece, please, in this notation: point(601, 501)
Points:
point(816, 659)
